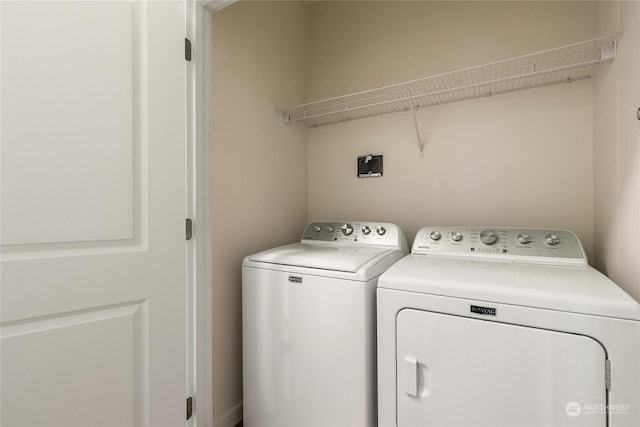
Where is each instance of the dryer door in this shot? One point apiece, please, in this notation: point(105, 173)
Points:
point(459, 371)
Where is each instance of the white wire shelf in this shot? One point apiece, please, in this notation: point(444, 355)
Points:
point(560, 65)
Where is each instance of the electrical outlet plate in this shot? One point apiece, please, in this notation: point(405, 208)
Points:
point(370, 166)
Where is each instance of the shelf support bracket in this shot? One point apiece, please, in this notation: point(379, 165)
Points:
point(415, 121)
point(608, 52)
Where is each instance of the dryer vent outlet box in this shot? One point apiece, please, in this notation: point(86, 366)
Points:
point(370, 166)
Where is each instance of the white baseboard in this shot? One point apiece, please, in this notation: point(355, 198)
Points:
point(230, 418)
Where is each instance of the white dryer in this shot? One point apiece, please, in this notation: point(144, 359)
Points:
point(505, 327)
point(308, 326)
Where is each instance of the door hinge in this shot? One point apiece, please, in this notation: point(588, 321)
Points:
point(187, 49)
point(189, 229)
point(189, 407)
point(607, 374)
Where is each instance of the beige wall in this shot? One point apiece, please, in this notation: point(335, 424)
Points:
point(617, 159)
point(259, 165)
point(360, 45)
point(520, 159)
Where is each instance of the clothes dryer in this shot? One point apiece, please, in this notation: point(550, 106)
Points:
point(505, 327)
point(308, 324)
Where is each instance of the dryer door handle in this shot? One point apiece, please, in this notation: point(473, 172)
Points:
point(411, 375)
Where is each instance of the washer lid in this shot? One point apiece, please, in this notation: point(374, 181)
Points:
point(569, 289)
point(347, 259)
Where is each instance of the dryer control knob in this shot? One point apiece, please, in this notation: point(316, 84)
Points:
point(366, 230)
point(347, 229)
point(381, 230)
point(551, 239)
point(317, 228)
point(329, 228)
point(435, 235)
point(456, 236)
point(488, 237)
point(524, 238)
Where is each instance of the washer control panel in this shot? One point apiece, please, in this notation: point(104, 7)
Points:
point(526, 245)
point(368, 233)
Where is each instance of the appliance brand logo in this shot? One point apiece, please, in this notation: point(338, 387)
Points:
point(295, 279)
point(487, 311)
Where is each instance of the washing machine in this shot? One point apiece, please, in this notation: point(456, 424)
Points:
point(505, 327)
point(309, 326)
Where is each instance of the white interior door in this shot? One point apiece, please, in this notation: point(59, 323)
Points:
point(458, 371)
point(92, 213)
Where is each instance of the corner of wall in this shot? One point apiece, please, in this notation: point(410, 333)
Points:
point(616, 149)
point(259, 164)
point(605, 142)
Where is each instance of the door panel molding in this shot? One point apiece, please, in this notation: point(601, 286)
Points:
point(74, 170)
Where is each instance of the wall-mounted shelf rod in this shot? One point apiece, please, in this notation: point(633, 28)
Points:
point(559, 65)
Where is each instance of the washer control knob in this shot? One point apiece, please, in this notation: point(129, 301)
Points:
point(488, 237)
point(456, 236)
point(551, 239)
point(381, 230)
point(317, 228)
point(366, 230)
point(347, 229)
point(435, 235)
point(329, 228)
point(524, 239)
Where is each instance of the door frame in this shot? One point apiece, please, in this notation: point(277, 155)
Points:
point(199, 252)
point(198, 208)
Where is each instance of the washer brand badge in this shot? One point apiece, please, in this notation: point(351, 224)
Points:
point(295, 279)
point(487, 311)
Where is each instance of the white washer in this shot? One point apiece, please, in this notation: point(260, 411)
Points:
point(308, 326)
point(505, 327)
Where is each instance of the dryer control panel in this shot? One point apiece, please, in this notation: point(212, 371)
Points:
point(522, 245)
point(350, 232)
